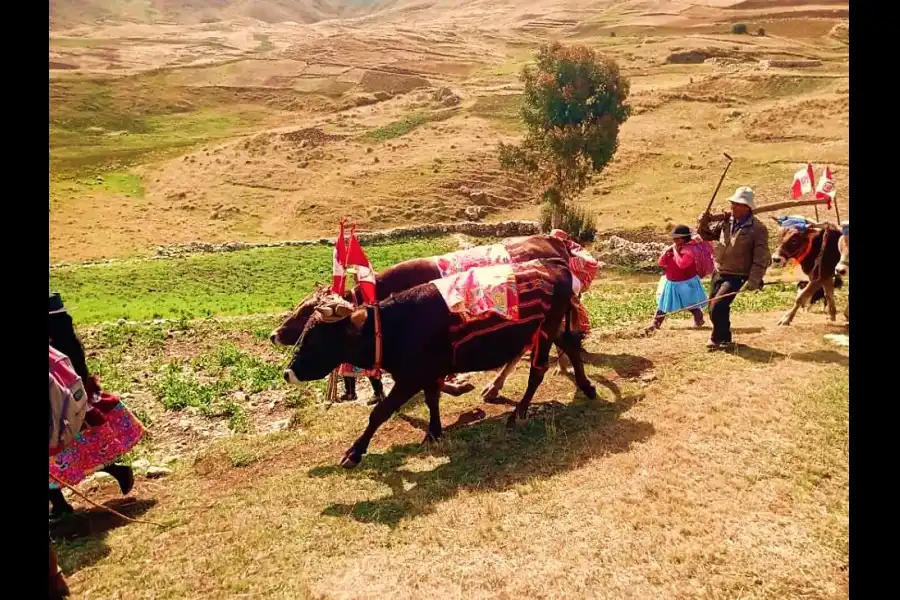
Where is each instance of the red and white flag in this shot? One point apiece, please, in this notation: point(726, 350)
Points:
point(338, 275)
point(803, 182)
point(365, 274)
point(826, 189)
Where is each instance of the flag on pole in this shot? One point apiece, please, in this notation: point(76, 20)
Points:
point(803, 182)
point(826, 189)
point(338, 274)
point(365, 274)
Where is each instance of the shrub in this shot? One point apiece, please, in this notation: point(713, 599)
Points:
point(577, 222)
point(739, 28)
point(761, 32)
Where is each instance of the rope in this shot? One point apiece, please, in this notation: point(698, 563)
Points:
point(106, 508)
point(699, 304)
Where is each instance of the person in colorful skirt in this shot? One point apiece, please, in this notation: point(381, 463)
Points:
point(680, 287)
point(110, 430)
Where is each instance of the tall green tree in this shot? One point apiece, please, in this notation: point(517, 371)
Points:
point(574, 104)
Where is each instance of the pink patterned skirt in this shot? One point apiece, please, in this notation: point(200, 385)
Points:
point(96, 447)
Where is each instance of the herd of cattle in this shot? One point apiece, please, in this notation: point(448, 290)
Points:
point(429, 324)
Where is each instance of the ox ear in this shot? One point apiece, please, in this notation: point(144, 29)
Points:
point(359, 316)
point(343, 310)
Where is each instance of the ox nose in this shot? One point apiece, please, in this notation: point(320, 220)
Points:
point(273, 338)
point(290, 377)
point(776, 259)
point(841, 270)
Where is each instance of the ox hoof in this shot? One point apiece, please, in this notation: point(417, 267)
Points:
point(351, 459)
point(784, 322)
point(430, 438)
point(590, 392)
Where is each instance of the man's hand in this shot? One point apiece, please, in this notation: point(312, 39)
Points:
point(754, 285)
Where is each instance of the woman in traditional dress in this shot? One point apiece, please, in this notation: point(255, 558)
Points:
point(110, 430)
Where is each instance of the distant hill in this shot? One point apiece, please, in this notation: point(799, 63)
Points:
point(70, 13)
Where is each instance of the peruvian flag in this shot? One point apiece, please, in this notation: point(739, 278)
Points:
point(365, 274)
point(338, 276)
point(803, 182)
point(826, 189)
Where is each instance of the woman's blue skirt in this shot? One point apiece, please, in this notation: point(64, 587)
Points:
point(675, 295)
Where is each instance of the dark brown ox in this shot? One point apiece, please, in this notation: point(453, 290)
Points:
point(444, 342)
point(815, 249)
point(408, 274)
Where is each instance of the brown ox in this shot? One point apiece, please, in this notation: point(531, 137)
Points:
point(445, 342)
point(815, 248)
point(408, 274)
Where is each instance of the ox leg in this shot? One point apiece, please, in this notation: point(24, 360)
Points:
point(802, 299)
point(398, 396)
point(492, 390)
point(432, 398)
point(562, 362)
point(535, 377)
point(571, 347)
point(830, 305)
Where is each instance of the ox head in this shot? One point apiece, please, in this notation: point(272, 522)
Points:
point(843, 267)
point(794, 239)
point(330, 332)
point(290, 330)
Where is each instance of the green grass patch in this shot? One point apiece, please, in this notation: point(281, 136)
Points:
point(261, 280)
point(405, 125)
point(116, 182)
point(93, 150)
point(210, 383)
point(503, 110)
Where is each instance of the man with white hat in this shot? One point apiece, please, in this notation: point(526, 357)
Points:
point(741, 255)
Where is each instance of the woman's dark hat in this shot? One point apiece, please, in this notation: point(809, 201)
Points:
point(681, 231)
point(56, 304)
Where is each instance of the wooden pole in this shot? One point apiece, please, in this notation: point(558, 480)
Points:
point(778, 206)
point(837, 213)
point(816, 208)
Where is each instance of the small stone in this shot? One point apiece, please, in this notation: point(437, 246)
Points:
point(156, 472)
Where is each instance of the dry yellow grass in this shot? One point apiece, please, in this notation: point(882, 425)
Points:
point(696, 475)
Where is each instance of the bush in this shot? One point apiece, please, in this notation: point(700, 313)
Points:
point(761, 32)
point(739, 28)
point(578, 223)
point(612, 34)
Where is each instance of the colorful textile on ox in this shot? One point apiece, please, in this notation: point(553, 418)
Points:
point(477, 291)
point(348, 370)
point(96, 447)
point(479, 256)
point(491, 298)
point(582, 263)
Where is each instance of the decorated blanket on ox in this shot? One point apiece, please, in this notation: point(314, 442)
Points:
point(479, 256)
point(487, 299)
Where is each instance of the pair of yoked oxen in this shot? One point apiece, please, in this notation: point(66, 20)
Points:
point(413, 334)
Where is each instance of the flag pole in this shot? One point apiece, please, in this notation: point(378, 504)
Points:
point(837, 213)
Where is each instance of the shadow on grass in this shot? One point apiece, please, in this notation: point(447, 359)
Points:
point(488, 457)
point(80, 538)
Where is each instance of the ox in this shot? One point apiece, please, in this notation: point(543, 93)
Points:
point(814, 247)
point(419, 340)
point(408, 274)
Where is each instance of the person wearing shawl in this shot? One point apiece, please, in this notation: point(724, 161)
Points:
point(109, 431)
